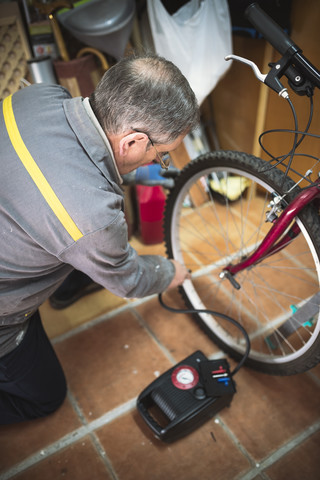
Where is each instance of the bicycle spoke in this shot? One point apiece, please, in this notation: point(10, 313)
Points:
point(210, 232)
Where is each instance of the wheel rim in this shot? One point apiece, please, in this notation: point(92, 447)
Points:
point(208, 237)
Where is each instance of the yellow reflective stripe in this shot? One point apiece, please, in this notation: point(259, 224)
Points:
point(35, 172)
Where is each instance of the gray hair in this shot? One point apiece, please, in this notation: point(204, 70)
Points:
point(146, 93)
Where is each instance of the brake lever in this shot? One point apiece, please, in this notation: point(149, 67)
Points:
point(270, 79)
point(260, 76)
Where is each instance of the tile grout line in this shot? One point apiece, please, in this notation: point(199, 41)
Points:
point(96, 443)
point(103, 455)
point(259, 467)
point(76, 407)
point(235, 440)
point(282, 451)
point(264, 476)
point(70, 438)
point(126, 407)
point(154, 337)
point(314, 378)
point(100, 319)
point(89, 429)
point(164, 349)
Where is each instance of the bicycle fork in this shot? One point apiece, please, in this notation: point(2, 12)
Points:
point(270, 245)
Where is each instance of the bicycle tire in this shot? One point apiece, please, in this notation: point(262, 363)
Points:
point(205, 227)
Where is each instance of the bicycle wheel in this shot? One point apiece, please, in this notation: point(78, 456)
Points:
point(216, 215)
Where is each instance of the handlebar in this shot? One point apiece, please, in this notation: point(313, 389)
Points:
point(274, 34)
point(270, 30)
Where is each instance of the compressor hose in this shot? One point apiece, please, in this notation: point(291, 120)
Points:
point(217, 314)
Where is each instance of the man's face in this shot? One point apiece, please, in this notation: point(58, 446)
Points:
point(139, 151)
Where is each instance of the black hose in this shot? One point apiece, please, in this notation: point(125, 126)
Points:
point(217, 314)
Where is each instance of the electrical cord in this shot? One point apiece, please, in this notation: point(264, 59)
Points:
point(281, 159)
point(217, 314)
point(296, 143)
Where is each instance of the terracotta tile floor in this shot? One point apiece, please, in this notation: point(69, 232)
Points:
point(111, 349)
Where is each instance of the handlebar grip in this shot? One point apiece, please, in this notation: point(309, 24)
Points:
point(271, 31)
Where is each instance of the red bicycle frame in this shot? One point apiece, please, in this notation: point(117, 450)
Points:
point(269, 245)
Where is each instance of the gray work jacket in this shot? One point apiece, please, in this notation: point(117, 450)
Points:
point(36, 251)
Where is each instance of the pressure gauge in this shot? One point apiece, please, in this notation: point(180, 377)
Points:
point(185, 377)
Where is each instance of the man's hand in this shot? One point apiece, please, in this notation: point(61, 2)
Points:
point(181, 274)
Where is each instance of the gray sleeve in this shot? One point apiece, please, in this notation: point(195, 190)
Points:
point(107, 257)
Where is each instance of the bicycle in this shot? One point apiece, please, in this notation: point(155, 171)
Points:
point(250, 234)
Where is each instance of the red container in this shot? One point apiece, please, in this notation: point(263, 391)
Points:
point(151, 202)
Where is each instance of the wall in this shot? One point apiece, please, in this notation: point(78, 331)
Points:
point(243, 107)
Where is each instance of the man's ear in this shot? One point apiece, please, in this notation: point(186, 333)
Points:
point(133, 140)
